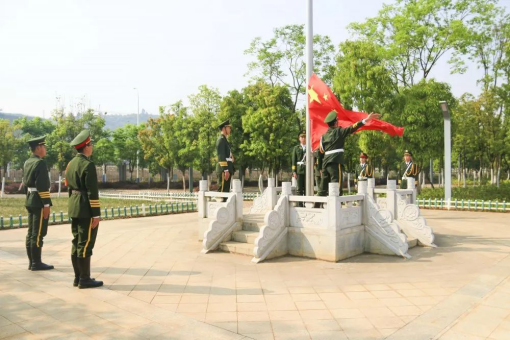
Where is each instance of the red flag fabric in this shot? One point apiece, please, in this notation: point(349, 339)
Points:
point(322, 101)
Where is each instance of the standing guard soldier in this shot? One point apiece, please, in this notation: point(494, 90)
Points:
point(299, 164)
point(332, 148)
point(84, 209)
point(410, 169)
point(317, 166)
point(364, 170)
point(225, 167)
point(37, 202)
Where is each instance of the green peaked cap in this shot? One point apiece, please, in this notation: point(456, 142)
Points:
point(330, 117)
point(82, 138)
point(37, 141)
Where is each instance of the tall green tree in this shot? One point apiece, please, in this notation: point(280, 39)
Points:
point(270, 137)
point(8, 142)
point(128, 147)
point(281, 60)
point(205, 106)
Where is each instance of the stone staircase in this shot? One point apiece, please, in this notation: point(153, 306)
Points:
point(243, 241)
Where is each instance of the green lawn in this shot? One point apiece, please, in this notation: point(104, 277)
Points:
point(16, 205)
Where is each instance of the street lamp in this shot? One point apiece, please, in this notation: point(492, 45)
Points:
point(137, 113)
point(447, 153)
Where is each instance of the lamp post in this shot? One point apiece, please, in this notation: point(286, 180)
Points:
point(447, 153)
point(137, 113)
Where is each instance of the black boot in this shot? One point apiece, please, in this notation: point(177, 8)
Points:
point(85, 280)
point(37, 264)
point(29, 254)
point(74, 261)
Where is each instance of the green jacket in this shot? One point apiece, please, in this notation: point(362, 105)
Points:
point(362, 173)
point(317, 164)
point(224, 155)
point(298, 160)
point(35, 175)
point(409, 170)
point(334, 139)
point(81, 178)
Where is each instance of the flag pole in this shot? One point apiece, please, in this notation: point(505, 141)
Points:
point(309, 71)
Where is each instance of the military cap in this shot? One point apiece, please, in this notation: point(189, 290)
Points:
point(330, 117)
point(37, 141)
point(407, 152)
point(225, 123)
point(302, 134)
point(363, 155)
point(81, 140)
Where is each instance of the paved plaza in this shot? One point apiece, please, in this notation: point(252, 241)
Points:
point(159, 286)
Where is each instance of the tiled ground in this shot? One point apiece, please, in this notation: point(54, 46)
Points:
point(159, 285)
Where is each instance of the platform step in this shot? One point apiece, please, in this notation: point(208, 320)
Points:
point(412, 242)
point(253, 222)
point(237, 248)
point(245, 236)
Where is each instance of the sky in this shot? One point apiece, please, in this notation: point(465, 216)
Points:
point(65, 52)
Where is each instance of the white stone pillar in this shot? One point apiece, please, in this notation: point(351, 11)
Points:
point(202, 202)
point(371, 186)
point(238, 192)
point(412, 186)
point(362, 187)
point(271, 202)
point(391, 203)
point(287, 191)
point(333, 206)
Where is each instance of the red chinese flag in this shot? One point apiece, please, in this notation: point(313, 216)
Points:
point(322, 101)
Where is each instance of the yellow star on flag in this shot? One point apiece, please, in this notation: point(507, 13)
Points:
point(313, 95)
point(325, 96)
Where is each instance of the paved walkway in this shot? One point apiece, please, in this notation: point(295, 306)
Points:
point(159, 286)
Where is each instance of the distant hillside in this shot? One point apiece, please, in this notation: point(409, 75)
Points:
point(115, 121)
point(12, 116)
point(112, 121)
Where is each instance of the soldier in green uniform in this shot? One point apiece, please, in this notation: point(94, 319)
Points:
point(225, 167)
point(317, 166)
point(408, 169)
point(38, 202)
point(332, 150)
point(364, 170)
point(299, 164)
point(84, 209)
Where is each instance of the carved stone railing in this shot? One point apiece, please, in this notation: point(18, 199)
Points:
point(414, 225)
point(222, 218)
point(273, 234)
point(380, 225)
point(267, 200)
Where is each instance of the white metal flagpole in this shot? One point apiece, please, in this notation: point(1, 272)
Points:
point(309, 71)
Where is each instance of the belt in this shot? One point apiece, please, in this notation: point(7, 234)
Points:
point(301, 163)
point(32, 189)
point(77, 192)
point(361, 177)
point(229, 159)
point(334, 151)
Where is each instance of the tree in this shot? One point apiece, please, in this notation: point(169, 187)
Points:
point(104, 152)
point(8, 143)
point(205, 106)
point(280, 60)
point(60, 151)
point(270, 138)
point(416, 34)
point(127, 146)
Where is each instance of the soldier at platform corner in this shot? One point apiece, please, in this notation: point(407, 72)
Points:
point(364, 170)
point(410, 169)
point(37, 202)
point(84, 209)
point(225, 167)
point(332, 150)
point(299, 164)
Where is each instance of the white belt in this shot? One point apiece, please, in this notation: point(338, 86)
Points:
point(334, 151)
point(361, 177)
point(32, 189)
point(300, 163)
point(229, 159)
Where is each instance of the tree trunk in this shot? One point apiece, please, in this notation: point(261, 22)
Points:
point(184, 180)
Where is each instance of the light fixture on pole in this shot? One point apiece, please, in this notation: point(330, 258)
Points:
point(137, 113)
point(447, 153)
